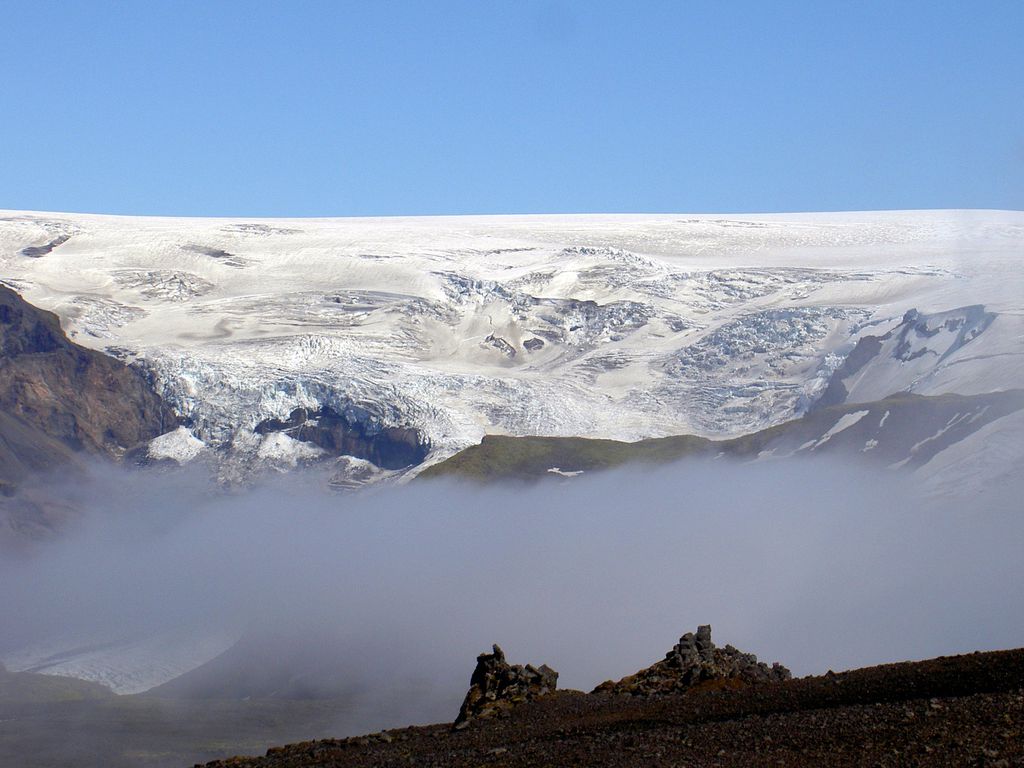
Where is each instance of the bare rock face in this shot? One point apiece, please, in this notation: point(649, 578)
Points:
point(497, 686)
point(696, 661)
point(58, 399)
point(353, 432)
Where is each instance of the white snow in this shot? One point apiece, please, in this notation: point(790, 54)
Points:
point(984, 459)
point(615, 326)
point(126, 666)
point(279, 447)
point(564, 473)
point(179, 444)
point(954, 350)
point(954, 420)
point(845, 421)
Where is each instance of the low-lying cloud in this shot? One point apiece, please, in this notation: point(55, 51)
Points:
point(389, 594)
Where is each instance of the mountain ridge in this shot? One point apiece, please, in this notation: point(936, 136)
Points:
point(914, 420)
point(604, 326)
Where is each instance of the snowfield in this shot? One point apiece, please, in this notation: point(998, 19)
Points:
point(609, 326)
point(125, 665)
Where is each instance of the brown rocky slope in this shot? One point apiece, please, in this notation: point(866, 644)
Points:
point(60, 401)
point(960, 710)
point(83, 398)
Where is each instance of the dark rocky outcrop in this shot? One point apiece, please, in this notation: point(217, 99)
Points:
point(866, 348)
point(499, 344)
point(496, 686)
point(352, 433)
point(533, 344)
point(224, 257)
point(58, 399)
point(38, 251)
point(696, 661)
point(911, 339)
point(955, 710)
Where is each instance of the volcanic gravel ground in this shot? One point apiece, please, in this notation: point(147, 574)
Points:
point(951, 711)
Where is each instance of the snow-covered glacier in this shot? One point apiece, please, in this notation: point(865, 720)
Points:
point(272, 338)
point(450, 328)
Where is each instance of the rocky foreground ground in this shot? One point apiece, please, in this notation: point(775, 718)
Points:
point(951, 711)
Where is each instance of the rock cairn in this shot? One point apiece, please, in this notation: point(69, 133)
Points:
point(496, 686)
point(693, 661)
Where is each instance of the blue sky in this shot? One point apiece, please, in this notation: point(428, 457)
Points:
point(380, 108)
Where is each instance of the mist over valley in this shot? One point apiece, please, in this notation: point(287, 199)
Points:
point(274, 480)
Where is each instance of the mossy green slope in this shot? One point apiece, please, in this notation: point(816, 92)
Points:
point(894, 427)
point(502, 457)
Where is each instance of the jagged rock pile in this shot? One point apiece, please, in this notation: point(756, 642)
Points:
point(695, 660)
point(496, 686)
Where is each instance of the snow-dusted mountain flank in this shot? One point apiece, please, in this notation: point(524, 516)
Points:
point(393, 343)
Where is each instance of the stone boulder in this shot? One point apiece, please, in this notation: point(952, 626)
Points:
point(696, 661)
point(496, 686)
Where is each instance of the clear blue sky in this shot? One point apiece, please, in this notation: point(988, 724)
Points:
point(342, 108)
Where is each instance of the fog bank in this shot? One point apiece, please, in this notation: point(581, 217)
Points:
point(387, 596)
